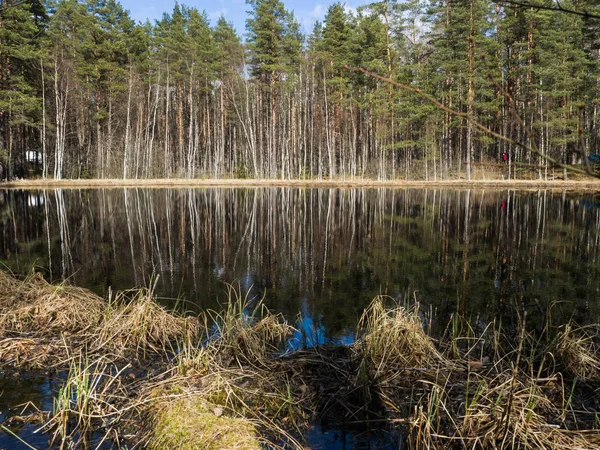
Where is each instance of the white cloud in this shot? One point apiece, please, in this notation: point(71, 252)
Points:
point(318, 13)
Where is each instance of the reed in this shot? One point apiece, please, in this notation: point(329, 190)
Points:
point(133, 321)
point(224, 377)
point(92, 397)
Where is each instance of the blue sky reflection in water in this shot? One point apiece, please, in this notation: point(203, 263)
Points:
point(310, 331)
point(14, 397)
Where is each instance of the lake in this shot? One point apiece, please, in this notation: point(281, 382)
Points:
point(323, 254)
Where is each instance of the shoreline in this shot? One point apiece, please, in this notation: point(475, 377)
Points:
point(591, 185)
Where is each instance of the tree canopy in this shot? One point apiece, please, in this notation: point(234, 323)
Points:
point(98, 95)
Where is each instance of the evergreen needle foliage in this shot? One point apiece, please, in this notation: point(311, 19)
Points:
point(87, 93)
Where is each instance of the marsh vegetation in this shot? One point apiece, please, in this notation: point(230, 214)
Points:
point(136, 374)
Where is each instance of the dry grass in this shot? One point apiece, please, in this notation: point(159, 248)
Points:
point(40, 323)
point(45, 325)
point(577, 349)
point(589, 184)
point(224, 381)
point(457, 403)
point(246, 336)
point(134, 321)
point(32, 306)
point(237, 367)
point(503, 418)
point(393, 339)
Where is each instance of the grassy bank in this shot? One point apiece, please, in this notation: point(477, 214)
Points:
point(137, 374)
point(578, 184)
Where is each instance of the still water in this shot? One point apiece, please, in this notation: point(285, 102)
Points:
point(321, 253)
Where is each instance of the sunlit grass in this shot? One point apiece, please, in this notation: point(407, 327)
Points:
point(222, 377)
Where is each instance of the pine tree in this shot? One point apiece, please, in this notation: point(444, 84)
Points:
point(556, 82)
point(590, 123)
point(273, 39)
point(20, 104)
point(369, 50)
point(335, 47)
point(202, 63)
point(274, 44)
point(107, 73)
point(229, 64)
point(464, 53)
point(229, 47)
point(336, 37)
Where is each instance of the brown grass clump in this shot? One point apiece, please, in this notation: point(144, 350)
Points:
point(34, 307)
point(576, 347)
point(248, 342)
point(140, 324)
point(246, 336)
point(393, 338)
point(12, 290)
point(495, 412)
point(42, 324)
point(504, 415)
point(237, 367)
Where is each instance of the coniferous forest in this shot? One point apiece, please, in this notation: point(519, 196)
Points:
point(87, 93)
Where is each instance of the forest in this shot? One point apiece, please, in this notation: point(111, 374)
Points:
point(85, 92)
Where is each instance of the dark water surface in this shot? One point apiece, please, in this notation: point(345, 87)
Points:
point(322, 252)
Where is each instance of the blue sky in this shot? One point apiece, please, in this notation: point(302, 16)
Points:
point(306, 12)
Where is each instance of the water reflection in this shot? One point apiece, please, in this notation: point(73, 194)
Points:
point(21, 396)
point(323, 252)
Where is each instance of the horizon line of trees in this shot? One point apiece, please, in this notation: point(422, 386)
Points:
point(96, 95)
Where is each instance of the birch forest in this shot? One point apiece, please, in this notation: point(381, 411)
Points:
point(85, 92)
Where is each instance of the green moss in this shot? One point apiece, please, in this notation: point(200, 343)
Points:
point(191, 423)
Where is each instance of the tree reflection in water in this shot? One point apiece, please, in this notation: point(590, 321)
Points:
point(324, 252)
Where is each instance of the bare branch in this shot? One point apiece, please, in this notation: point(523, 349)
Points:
point(471, 119)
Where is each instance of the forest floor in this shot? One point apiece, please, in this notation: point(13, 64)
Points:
point(587, 184)
point(137, 374)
